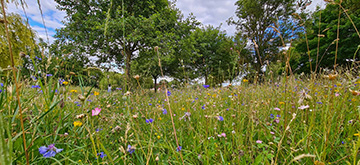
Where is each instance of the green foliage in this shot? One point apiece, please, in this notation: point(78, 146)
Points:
point(116, 34)
point(349, 40)
point(255, 19)
point(21, 37)
point(212, 55)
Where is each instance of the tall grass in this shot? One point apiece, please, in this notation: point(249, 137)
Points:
point(295, 119)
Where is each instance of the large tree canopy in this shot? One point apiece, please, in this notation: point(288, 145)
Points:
point(112, 30)
point(254, 20)
point(349, 40)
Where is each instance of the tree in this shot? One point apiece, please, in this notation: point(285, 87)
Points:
point(212, 55)
point(349, 40)
point(254, 20)
point(114, 30)
point(173, 45)
point(22, 40)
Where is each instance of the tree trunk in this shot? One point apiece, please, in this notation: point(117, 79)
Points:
point(155, 77)
point(127, 63)
point(206, 79)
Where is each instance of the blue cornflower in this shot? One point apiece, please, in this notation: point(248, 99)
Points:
point(206, 86)
point(0, 90)
point(61, 81)
point(168, 93)
point(319, 102)
point(49, 75)
point(278, 116)
point(35, 86)
point(49, 151)
point(130, 149)
point(164, 111)
point(78, 105)
point(1, 84)
point(101, 155)
point(150, 104)
point(89, 100)
point(178, 148)
point(342, 142)
point(203, 107)
point(271, 116)
point(33, 77)
point(38, 58)
point(220, 118)
point(149, 120)
point(97, 129)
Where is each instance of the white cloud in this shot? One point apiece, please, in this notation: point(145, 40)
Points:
point(216, 12)
point(208, 12)
point(52, 16)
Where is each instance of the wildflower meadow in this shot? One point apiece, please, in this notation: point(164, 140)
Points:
point(136, 82)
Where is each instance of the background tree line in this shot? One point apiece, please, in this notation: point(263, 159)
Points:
point(102, 36)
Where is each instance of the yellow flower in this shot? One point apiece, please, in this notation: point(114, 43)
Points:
point(73, 91)
point(77, 123)
point(182, 108)
point(214, 95)
point(158, 137)
point(281, 103)
point(353, 99)
point(244, 80)
point(160, 118)
point(357, 134)
point(96, 93)
point(65, 83)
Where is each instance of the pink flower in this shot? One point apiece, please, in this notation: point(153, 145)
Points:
point(276, 108)
point(223, 135)
point(258, 141)
point(272, 133)
point(277, 120)
point(304, 107)
point(337, 94)
point(96, 111)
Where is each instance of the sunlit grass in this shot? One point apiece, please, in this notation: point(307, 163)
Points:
point(239, 124)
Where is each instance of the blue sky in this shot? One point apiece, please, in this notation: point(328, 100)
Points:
point(208, 12)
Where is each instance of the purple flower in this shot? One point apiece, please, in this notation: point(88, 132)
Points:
point(271, 116)
point(1, 84)
point(203, 107)
point(0, 90)
point(49, 151)
point(130, 149)
point(164, 111)
point(206, 86)
point(149, 120)
point(168, 93)
point(49, 75)
point(101, 154)
point(38, 58)
point(35, 86)
point(178, 148)
point(220, 118)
